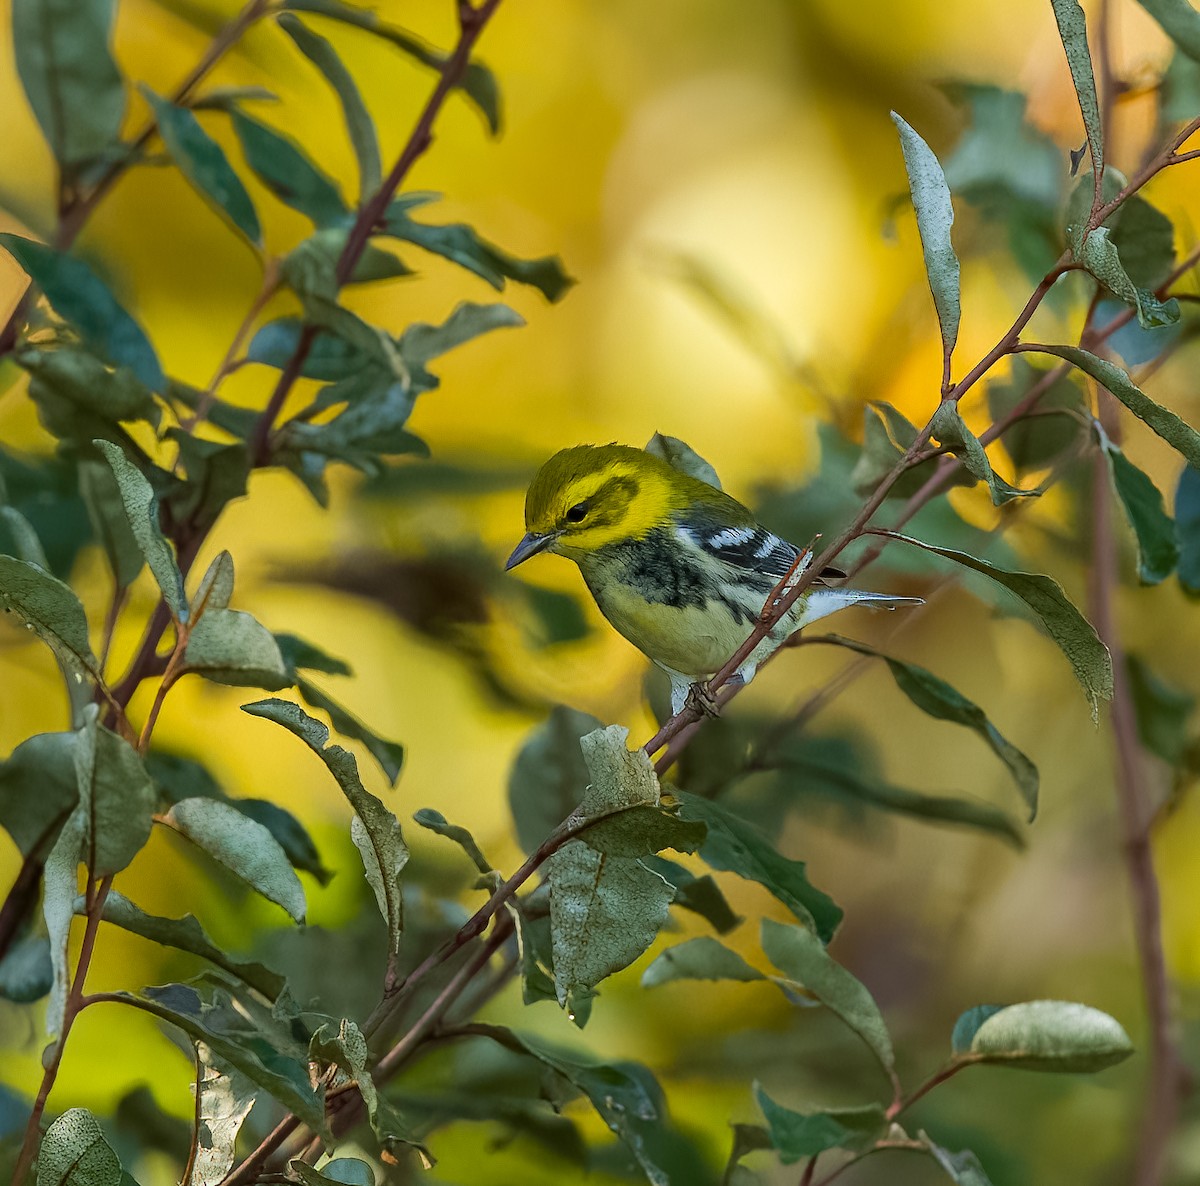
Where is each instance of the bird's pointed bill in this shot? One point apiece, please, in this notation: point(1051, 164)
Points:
point(531, 544)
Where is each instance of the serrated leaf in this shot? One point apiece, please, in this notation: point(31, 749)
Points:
point(106, 510)
point(460, 244)
point(185, 934)
point(549, 775)
point(1180, 21)
point(26, 970)
point(243, 846)
point(226, 1097)
point(935, 216)
point(604, 912)
point(734, 845)
point(1177, 433)
point(66, 67)
point(74, 1153)
point(374, 829)
point(795, 1135)
point(702, 958)
point(1074, 634)
point(228, 646)
point(358, 121)
point(681, 456)
point(286, 170)
point(968, 1024)
point(82, 298)
point(1060, 1036)
point(141, 508)
point(1072, 31)
point(1158, 553)
point(801, 956)
point(203, 162)
point(940, 700)
point(951, 431)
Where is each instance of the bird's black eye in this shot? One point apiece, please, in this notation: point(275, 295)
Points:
point(577, 512)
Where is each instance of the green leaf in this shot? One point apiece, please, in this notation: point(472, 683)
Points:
point(604, 912)
point(141, 507)
point(1037, 439)
point(216, 586)
point(702, 958)
point(79, 378)
point(1179, 88)
point(65, 64)
point(243, 846)
point(681, 456)
point(935, 216)
point(286, 170)
point(358, 120)
point(549, 775)
point(625, 1096)
point(435, 821)
point(420, 343)
point(747, 1139)
point(1158, 553)
point(1178, 434)
point(245, 1035)
point(478, 82)
point(60, 880)
point(962, 1167)
point(1187, 528)
point(1073, 633)
point(82, 298)
point(886, 436)
point(968, 1025)
point(38, 790)
point(1179, 21)
point(951, 431)
point(342, 1045)
point(74, 1153)
point(460, 244)
point(225, 1097)
point(738, 847)
point(700, 895)
point(1100, 255)
point(228, 646)
point(642, 831)
point(185, 934)
point(796, 1135)
point(216, 476)
point(1163, 712)
point(349, 1171)
point(1072, 30)
point(203, 162)
point(52, 611)
point(106, 510)
point(800, 956)
point(374, 829)
point(1051, 1036)
point(389, 754)
point(300, 653)
point(1145, 239)
point(27, 970)
point(943, 702)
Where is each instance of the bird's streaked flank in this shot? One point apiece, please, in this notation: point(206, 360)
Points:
point(680, 568)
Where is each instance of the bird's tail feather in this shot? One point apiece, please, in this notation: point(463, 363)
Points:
point(823, 602)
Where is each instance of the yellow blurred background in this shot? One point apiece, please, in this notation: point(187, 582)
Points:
point(755, 138)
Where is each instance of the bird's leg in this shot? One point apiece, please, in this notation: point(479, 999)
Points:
point(701, 700)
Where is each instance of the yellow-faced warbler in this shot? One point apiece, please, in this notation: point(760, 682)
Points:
point(677, 566)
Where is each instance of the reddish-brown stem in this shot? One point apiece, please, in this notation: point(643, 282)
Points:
point(936, 1080)
point(472, 22)
point(1170, 155)
point(73, 1005)
point(1167, 1079)
point(249, 1168)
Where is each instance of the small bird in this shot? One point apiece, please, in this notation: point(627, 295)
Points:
point(680, 568)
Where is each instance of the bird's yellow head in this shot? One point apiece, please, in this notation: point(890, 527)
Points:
point(591, 496)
